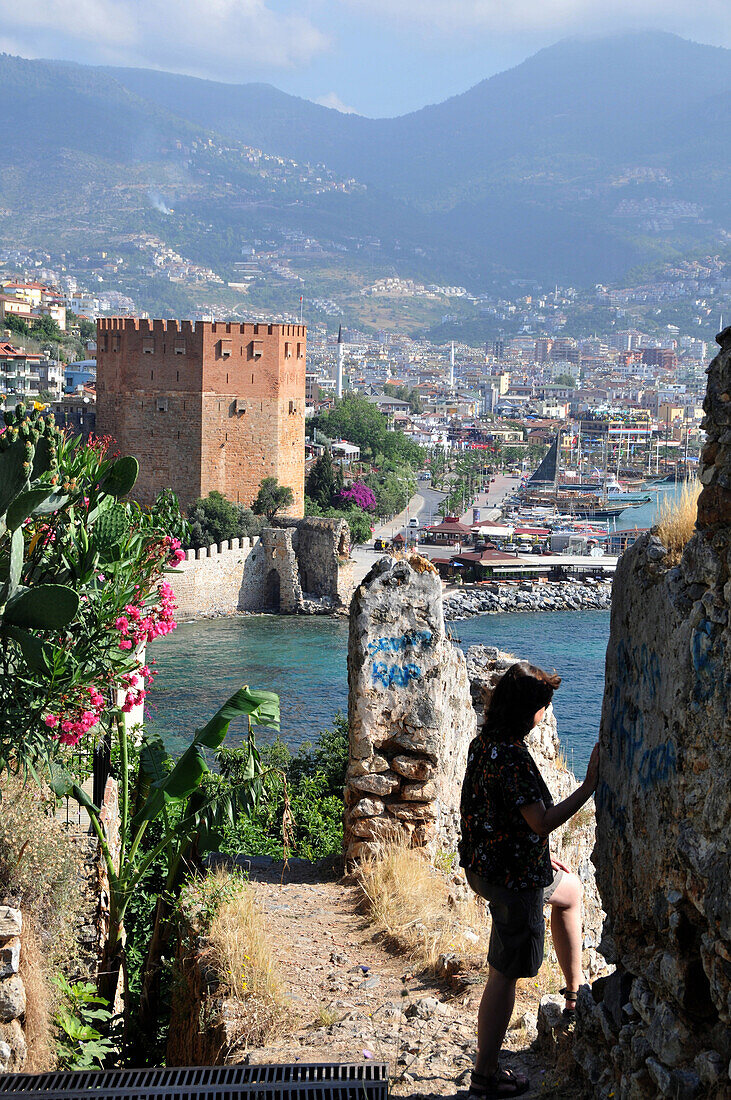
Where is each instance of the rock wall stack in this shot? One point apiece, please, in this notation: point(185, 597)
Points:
point(13, 1049)
point(409, 711)
point(659, 1026)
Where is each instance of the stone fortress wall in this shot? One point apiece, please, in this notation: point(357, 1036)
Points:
point(659, 1026)
point(301, 568)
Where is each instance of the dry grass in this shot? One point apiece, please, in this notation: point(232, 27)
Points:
point(326, 1016)
point(677, 521)
point(41, 873)
point(39, 998)
point(41, 869)
point(239, 951)
point(411, 905)
point(562, 761)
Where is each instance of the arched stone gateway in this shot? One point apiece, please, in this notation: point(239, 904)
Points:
point(313, 576)
point(272, 597)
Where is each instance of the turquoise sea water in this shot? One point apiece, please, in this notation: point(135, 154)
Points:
point(304, 660)
point(646, 514)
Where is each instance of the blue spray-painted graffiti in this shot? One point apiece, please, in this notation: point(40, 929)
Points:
point(409, 640)
point(635, 693)
point(657, 765)
point(394, 675)
point(607, 802)
point(705, 654)
point(398, 675)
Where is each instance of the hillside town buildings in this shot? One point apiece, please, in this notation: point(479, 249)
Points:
point(513, 390)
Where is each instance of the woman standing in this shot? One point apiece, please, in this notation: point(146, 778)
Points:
point(507, 816)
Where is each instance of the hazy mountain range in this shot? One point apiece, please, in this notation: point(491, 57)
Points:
point(589, 158)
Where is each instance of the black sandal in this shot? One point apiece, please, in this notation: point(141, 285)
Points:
point(569, 1013)
point(501, 1084)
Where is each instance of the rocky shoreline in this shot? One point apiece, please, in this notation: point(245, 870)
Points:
point(583, 595)
point(464, 603)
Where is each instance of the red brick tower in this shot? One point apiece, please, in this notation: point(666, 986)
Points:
point(205, 406)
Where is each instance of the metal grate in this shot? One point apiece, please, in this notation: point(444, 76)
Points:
point(289, 1081)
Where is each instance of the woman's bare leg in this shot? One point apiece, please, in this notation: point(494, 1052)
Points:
point(565, 905)
point(496, 1008)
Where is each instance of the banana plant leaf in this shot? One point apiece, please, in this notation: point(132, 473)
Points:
point(218, 807)
point(154, 761)
point(62, 782)
point(262, 707)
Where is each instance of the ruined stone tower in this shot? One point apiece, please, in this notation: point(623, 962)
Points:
point(204, 406)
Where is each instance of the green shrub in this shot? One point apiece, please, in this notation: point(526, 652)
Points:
point(80, 1044)
point(301, 812)
point(215, 519)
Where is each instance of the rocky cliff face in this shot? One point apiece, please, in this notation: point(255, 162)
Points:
point(660, 1024)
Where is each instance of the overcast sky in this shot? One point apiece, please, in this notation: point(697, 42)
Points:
point(378, 57)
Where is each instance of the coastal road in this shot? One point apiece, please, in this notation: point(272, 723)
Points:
point(424, 505)
point(489, 502)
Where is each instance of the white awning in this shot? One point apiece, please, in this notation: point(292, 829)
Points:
point(504, 532)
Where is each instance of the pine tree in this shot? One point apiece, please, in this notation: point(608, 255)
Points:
point(321, 481)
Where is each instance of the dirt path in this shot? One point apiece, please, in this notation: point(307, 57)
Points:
point(351, 998)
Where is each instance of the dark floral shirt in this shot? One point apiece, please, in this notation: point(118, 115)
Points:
point(497, 842)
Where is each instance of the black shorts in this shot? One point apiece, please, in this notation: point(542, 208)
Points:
point(518, 928)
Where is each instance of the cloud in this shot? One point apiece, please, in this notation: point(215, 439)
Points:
point(333, 100)
point(435, 19)
point(221, 39)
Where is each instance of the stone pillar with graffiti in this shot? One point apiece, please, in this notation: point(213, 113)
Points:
point(659, 1026)
point(409, 709)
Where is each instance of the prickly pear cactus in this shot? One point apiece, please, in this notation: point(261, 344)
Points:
point(111, 527)
point(28, 452)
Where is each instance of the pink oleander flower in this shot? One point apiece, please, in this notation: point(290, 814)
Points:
point(122, 624)
point(51, 720)
point(125, 644)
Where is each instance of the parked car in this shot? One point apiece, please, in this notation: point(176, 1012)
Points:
point(413, 522)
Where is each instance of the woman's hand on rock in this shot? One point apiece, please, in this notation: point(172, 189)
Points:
point(559, 866)
point(592, 771)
